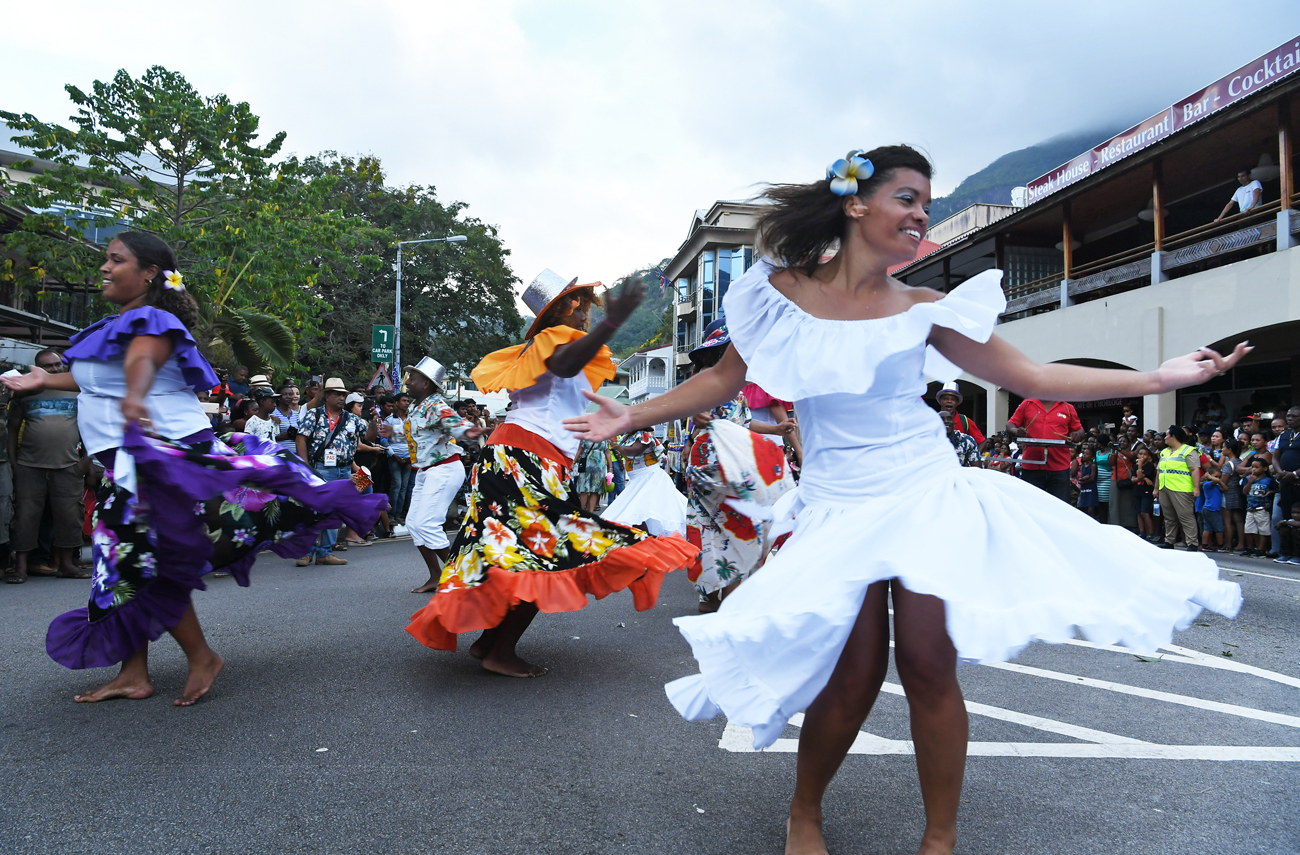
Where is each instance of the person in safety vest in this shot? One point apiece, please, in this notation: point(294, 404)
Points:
point(1178, 481)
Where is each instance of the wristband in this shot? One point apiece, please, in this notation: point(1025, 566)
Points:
point(605, 322)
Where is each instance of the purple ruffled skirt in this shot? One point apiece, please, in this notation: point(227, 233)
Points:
point(198, 507)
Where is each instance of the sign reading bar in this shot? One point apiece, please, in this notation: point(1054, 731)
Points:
point(1282, 62)
point(381, 343)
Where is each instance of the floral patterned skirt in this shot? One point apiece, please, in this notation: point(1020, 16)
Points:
point(195, 508)
point(525, 538)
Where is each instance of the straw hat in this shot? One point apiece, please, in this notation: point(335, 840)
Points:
point(335, 384)
point(260, 381)
point(543, 291)
point(432, 369)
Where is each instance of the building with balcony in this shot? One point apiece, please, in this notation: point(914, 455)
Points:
point(1118, 259)
point(719, 247)
point(649, 373)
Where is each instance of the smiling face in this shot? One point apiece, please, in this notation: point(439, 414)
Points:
point(125, 283)
point(893, 220)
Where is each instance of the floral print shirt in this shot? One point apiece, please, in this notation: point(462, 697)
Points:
point(649, 456)
point(431, 431)
point(968, 453)
point(316, 426)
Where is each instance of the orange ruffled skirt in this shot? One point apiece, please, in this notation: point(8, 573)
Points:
point(525, 539)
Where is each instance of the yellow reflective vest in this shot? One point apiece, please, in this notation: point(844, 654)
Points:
point(1176, 470)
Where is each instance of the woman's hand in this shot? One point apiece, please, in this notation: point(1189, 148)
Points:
point(32, 382)
point(786, 427)
point(475, 432)
point(608, 422)
point(1196, 368)
point(702, 419)
point(134, 411)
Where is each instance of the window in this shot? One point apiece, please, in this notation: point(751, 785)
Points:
point(707, 266)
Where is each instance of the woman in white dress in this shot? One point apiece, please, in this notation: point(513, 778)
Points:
point(852, 346)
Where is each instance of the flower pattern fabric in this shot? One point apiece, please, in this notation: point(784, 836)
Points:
point(592, 466)
point(650, 456)
point(431, 431)
point(316, 426)
point(523, 517)
point(968, 453)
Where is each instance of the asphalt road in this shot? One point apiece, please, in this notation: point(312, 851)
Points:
point(426, 753)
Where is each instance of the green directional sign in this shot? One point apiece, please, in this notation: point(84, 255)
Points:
point(381, 343)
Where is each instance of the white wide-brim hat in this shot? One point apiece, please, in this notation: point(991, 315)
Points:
point(433, 369)
point(548, 287)
point(335, 384)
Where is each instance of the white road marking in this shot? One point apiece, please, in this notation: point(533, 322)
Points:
point(1196, 657)
point(740, 740)
point(1167, 697)
point(1265, 575)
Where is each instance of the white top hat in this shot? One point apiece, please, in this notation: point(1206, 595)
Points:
point(949, 389)
point(431, 368)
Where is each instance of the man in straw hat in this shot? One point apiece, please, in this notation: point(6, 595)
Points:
point(327, 440)
point(431, 431)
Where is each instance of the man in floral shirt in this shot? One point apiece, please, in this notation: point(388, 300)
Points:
point(327, 441)
point(968, 453)
point(431, 430)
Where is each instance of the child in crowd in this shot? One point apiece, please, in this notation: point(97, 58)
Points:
point(1088, 482)
point(1259, 488)
point(1144, 483)
point(1211, 502)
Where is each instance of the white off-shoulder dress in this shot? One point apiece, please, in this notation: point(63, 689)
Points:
point(879, 478)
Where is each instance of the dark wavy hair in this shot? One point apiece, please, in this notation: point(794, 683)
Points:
point(559, 310)
point(152, 251)
point(805, 220)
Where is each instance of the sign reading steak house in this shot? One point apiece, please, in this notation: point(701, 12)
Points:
point(1273, 66)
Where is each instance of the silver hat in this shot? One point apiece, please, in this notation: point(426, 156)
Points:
point(543, 290)
point(431, 368)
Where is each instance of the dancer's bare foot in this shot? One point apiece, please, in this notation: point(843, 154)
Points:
point(126, 686)
point(511, 665)
point(480, 648)
point(202, 674)
point(936, 843)
point(803, 836)
point(428, 588)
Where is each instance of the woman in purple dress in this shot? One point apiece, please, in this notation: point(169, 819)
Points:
point(176, 502)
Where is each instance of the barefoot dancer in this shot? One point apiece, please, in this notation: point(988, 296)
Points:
point(168, 511)
point(810, 632)
point(526, 544)
point(431, 428)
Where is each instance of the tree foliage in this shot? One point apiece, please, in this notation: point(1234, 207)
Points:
point(458, 299)
point(249, 231)
point(644, 327)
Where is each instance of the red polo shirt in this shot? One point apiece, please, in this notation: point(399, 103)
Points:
point(964, 425)
point(1040, 422)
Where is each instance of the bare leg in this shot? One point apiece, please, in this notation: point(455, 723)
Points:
point(927, 667)
point(432, 557)
point(66, 566)
point(131, 682)
point(204, 664)
point(833, 720)
point(502, 659)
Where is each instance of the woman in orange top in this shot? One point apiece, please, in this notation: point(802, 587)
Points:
point(526, 544)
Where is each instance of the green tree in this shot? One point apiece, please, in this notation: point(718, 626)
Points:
point(647, 324)
point(249, 230)
point(458, 300)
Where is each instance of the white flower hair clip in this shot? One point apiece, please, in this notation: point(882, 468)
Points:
point(845, 173)
point(172, 280)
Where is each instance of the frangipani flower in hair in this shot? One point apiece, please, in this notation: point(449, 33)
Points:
point(845, 173)
point(172, 280)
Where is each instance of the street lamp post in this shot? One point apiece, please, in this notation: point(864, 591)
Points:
point(397, 323)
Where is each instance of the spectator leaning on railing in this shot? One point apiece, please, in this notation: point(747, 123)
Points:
point(1248, 195)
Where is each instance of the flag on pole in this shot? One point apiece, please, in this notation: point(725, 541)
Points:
point(663, 281)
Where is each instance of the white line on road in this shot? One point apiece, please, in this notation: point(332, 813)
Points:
point(1167, 697)
point(1252, 573)
point(740, 740)
point(1195, 657)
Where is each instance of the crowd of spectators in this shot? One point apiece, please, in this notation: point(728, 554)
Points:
point(47, 485)
point(1215, 485)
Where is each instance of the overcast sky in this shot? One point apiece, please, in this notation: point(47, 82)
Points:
point(589, 132)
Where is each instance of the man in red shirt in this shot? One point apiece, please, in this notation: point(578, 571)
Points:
point(1037, 419)
point(948, 398)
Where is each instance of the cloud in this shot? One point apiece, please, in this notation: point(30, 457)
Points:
point(589, 132)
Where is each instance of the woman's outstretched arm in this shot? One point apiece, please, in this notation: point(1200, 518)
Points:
point(998, 362)
point(701, 393)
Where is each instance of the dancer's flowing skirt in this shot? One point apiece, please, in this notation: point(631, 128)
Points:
point(191, 509)
point(525, 538)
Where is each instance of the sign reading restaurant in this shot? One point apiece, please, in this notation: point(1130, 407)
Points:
point(1283, 61)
